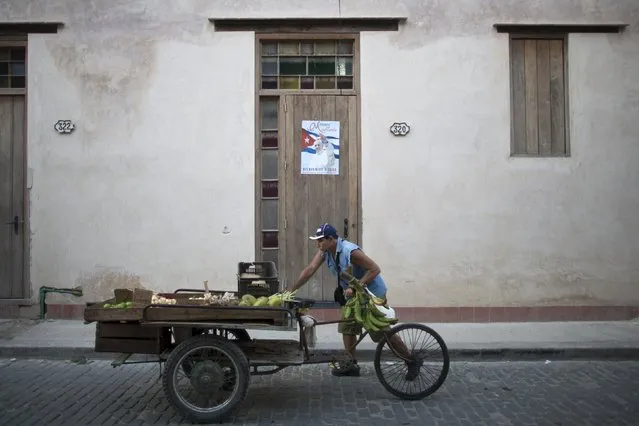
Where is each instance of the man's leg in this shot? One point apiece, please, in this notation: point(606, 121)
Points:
point(349, 331)
point(349, 344)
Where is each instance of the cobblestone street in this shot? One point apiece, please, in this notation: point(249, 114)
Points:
point(51, 393)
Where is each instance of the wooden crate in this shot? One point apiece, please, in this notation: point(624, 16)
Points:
point(139, 297)
point(131, 338)
point(97, 312)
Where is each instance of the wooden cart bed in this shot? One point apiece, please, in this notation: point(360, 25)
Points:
point(145, 328)
point(185, 310)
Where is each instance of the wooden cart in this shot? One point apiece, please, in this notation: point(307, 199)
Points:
point(209, 355)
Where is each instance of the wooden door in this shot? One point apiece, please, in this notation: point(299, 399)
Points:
point(308, 200)
point(12, 235)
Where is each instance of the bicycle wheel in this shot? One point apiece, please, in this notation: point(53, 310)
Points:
point(413, 370)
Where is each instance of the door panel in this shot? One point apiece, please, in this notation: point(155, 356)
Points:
point(12, 113)
point(310, 200)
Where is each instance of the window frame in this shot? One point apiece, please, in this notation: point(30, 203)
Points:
point(17, 41)
point(266, 37)
point(540, 36)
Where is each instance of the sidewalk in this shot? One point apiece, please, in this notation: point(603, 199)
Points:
point(69, 339)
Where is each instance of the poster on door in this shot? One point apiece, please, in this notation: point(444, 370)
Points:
point(320, 147)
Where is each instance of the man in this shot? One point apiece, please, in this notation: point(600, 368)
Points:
point(341, 255)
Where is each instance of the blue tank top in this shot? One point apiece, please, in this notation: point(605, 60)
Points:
point(343, 252)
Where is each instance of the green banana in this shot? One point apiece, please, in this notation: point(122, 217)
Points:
point(368, 324)
point(348, 310)
point(378, 301)
point(378, 322)
point(376, 312)
point(358, 312)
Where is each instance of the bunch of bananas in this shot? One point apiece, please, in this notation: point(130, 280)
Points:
point(364, 310)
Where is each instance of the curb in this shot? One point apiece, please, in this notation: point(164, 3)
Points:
point(368, 355)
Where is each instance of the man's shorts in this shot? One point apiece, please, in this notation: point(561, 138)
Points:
point(353, 328)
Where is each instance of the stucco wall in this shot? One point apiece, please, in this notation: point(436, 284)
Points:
point(156, 184)
point(155, 187)
point(448, 212)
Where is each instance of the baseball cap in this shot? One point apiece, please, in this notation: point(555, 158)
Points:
point(325, 230)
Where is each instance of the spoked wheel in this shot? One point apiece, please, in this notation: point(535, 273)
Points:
point(224, 333)
point(416, 364)
point(217, 382)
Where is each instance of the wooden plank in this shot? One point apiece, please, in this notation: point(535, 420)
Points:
point(342, 189)
point(286, 326)
point(545, 29)
point(297, 192)
point(17, 140)
point(543, 96)
point(127, 330)
point(518, 96)
point(288, 239)
point(356, 69)
point(6, 198)
point(131, 338)
point(328, 197)
point(120, 360)
point(30, 27)
point(302, 108)
point(557, 98)
point(315, 208)
point(272, 352)
point(257, 155)
point(532, 132)
point(352, 166)
point(134, 346)
point(282, 188)
point(197, 313)
point(307, 26)
point(97, 313)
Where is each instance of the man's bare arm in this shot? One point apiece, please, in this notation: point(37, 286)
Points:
point(310, 270)
point(359, 258)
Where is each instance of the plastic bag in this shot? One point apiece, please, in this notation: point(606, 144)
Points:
point(310, 334)
point(387, 311)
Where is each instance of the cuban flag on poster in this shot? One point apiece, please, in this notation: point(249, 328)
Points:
point(320, 147)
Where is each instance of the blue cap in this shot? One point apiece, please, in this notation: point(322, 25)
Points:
point(325, 230)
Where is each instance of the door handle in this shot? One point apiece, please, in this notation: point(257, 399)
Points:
point(346, 228)
point(16, 224)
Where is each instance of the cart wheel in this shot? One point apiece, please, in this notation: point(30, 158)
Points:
point(420, 373)
point(226, 333)
point(217, 382)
